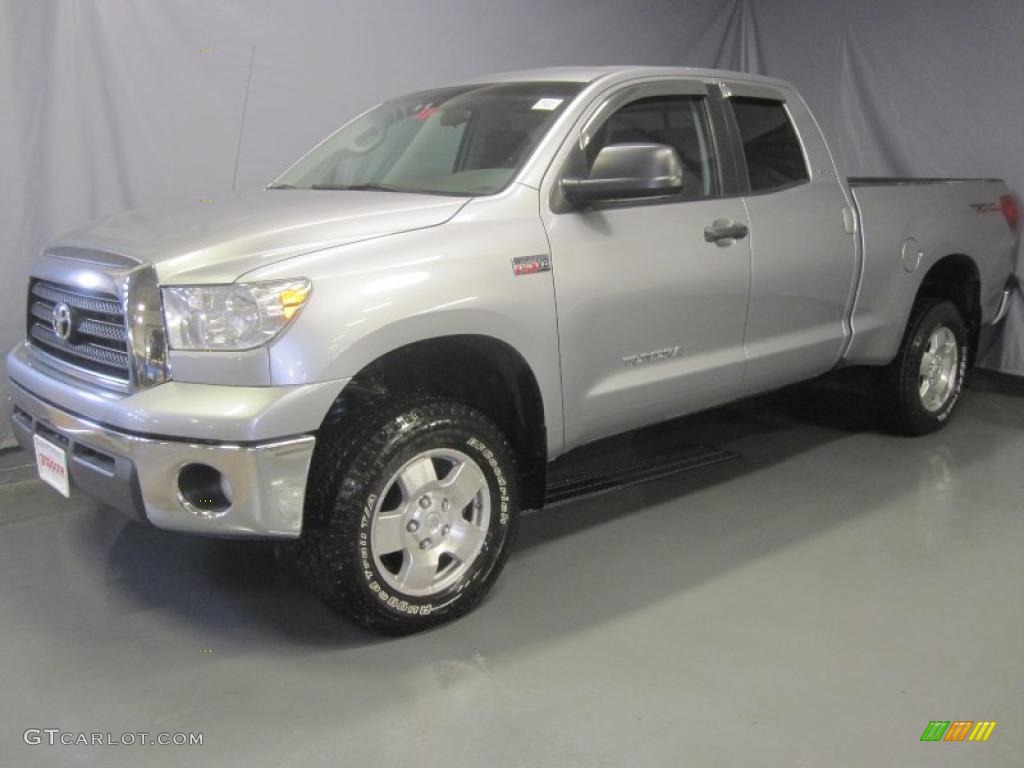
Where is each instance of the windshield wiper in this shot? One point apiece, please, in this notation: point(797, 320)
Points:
point(378, 188)
point(358, 187)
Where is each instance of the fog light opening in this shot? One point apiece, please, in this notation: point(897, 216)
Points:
point(204, 490)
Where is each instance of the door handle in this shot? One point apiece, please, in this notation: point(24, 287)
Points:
point(723, 232)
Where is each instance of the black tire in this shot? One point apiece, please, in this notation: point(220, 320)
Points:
point(900, 404)
point(346, 481)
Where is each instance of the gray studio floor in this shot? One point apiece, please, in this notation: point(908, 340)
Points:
point(814, 603)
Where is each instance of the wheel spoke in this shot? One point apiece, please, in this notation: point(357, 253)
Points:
point(463, 484)
point(465, 540)
point(389, 533)
point(426, 528)
point(414, 477)
point(939, 369)
point(418, 570)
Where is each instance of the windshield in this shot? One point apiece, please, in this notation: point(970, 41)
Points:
point(466, 140)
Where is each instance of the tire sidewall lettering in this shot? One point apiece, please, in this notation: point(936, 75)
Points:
point(947, 410)
point(491, 460)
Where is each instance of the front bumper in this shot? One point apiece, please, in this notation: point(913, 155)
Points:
point(127, 450)
point(139, 475)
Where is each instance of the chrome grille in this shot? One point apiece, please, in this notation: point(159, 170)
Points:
point(103, 305)
point(98, 342)
point(103, 329)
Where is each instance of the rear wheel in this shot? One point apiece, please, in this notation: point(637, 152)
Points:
point(413, 517)
point(918, 392)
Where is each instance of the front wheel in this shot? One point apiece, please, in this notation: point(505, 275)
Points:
point(413, 527)
point(918, 392)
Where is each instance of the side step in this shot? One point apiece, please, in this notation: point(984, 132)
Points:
point(574, 483)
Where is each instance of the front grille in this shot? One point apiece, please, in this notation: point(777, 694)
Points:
point(98, 342)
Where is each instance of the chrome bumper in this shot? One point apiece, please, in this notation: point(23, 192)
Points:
point(1004, 301)
point(139, 474)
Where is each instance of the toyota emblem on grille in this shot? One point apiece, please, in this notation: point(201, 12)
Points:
point(61, 321)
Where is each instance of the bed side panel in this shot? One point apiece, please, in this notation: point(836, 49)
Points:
point(956, 217)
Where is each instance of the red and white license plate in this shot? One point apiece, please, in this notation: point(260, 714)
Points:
point(52, 464)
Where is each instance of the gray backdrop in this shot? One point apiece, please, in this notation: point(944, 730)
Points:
point(113, 104)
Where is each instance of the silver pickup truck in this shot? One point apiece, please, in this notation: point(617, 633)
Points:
point(380, 353)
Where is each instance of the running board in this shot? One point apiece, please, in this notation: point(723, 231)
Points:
point(588, 482)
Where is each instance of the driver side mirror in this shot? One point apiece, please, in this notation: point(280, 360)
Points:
point(628, 171)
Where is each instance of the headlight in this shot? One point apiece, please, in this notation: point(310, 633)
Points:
point(231, 317)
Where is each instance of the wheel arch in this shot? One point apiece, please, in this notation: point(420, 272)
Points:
point(479, 370)
point(956, 277)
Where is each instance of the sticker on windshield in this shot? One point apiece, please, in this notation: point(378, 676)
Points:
point(548, 104)
point(426, 112)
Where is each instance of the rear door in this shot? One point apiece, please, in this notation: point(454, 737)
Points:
point(651, 313)
point(803, 249)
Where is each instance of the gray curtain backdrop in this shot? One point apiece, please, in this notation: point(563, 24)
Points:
point(114, 104)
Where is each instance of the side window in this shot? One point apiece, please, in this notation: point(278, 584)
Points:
point(678, 121)
point(770, 144)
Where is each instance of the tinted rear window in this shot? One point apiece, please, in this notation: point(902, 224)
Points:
point(770, 144)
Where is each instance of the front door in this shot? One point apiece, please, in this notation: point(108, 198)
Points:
point(651, 312)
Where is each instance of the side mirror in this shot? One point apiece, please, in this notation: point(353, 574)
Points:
point(627, 171)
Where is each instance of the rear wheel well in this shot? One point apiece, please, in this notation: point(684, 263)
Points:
point(479, 371)
point(956, 278)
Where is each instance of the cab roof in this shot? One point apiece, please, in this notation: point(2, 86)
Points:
point(592, 74)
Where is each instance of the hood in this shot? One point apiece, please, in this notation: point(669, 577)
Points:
point(218, 241)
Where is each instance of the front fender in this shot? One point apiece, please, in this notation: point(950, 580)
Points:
point(372, 297)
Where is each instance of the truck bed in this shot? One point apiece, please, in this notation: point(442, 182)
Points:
point(906, 226)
